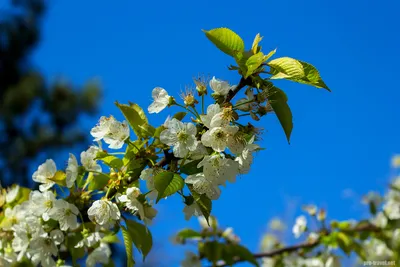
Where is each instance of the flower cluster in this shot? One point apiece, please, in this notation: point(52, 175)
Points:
point(79, 210)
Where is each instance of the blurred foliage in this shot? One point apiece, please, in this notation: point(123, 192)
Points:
point(35, 116)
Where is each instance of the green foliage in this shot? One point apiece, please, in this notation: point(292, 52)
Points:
point(179, 115)
point(202, 201)
point(110, 160)
point(98, 181)
point(128, 246)
point(140, 236)
point(191, 167)
point(226, 40)
point(278, 101)
point(137, 119)
point(188, 234)
point(167, 183)
point(296, 70)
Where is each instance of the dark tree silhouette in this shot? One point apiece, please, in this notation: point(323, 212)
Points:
point(36, 117)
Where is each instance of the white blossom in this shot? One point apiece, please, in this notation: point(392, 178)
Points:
point(245, 159)
point(103, 212)
point(44, 247)
point(148, 176)
point(198, 153)
point(160, 100)
point(220, 87)
point(212, 110)
point(90, 240)
point(219, 137)
point(190, 210)
point(42, 203)
point(229, 235)
point(71, 170)
point(332, 261)
point(113, 132)
point(217, 169)
point(300, 226)
point(44, 174)
point(101, 254)
point(181, 136)
point(203, 186)
point(16, 214)
point(88, 159)
point(12, 193)
point(130, 199)
point(24, 233)
point(204, 224)
point(380, 220)
point(65, 213)
point(392, 209)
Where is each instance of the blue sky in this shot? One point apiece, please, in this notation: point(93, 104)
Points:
point(340, 140)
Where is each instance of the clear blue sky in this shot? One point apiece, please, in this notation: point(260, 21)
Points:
point(340, 140)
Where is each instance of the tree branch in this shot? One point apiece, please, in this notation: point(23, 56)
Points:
point(168, 157)
point(243, 82)
point(361, 228)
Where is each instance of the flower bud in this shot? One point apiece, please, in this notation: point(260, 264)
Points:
point(201, 86)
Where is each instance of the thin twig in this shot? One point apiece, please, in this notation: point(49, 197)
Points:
point(307, 245)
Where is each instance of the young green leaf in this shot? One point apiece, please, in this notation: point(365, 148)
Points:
point(180, 115)
point(141, 237)
point(137, 119)
point(244, 254)
point(191, 167)
point(188, 233)
point(99, 181)
point(253, 63)
point(297, 71)
point(202, 201)
point(111, 161)
point(255, 48)
point(226, 40)
point(167, 183)
point(128, 246)
point(278, 101)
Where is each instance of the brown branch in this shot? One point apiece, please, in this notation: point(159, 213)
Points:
point(168, 157)
point(307, 245)
point(243, 82)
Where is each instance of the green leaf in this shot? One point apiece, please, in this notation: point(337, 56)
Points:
point(180, 115)
point(344, 242)
point(59, 178)
point(188, 233)
point(255, 48)
point(110, 238)
point(253, 63)
point(99, 181)
point(278, 101)
point(270, 54)
point(167, 183)
point(226, 40)
point(213, 251)
point(137, 119)
point(286, 67)
point(191, 167)
point(128, 246)
point(141, 237)
point(204, 203)
point(243, 253)
point(297, 71)
point(360, 251)
point(111, 161)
